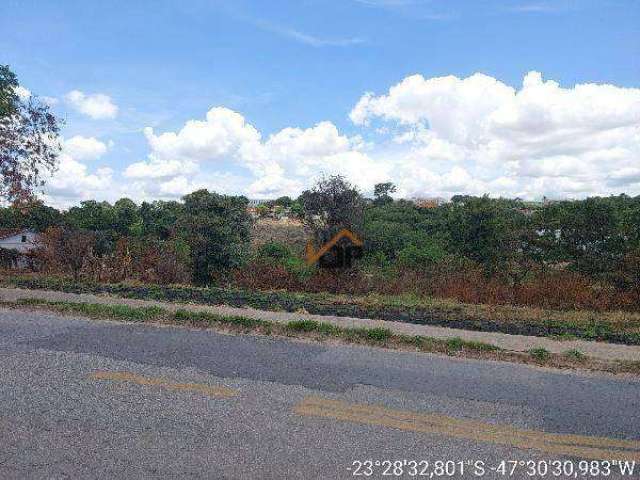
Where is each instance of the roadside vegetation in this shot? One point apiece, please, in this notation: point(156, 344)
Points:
point(569, 255)
point(324, 332)
point(615, 327)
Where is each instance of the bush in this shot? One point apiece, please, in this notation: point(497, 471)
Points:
point(419, 257)
point(540, 354)
point(274, 251)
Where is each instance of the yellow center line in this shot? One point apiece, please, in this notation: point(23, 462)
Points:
point(599, 448)
point(212, 391)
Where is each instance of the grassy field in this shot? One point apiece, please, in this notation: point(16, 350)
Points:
point(616, 327)
point(325, 332)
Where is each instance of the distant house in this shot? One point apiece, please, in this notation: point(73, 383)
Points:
point(428, 202)
point(18, 240)
point(253, 205)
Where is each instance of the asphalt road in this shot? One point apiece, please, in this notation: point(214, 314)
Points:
point(91, 399)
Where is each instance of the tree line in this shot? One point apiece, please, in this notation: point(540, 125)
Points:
point(598, 237)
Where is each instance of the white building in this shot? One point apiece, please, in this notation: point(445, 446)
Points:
point(19, 240)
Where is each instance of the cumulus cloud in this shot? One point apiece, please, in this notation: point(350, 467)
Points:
point(94, 105)
point(74, 181)
point(216, 138)
point(542, 139)
point(284, 163)
point(84, 148)
point(438, 136)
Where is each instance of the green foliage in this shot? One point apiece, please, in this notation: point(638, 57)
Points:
point(391, 227)
point(158, 219)
point(8, 96)
point(381, 193)
point(484, 230)
point(455, 344)
point(540, 354)
point(262, 210)
point(426, 255)
point(217, 230)
point(575, 355)
point(303, 325)
point(280, 254)
point(274, 251)
point(379, 334)
point(126, 216)
point(33, 215)
point(595, 234)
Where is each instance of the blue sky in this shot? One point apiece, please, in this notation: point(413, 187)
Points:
point(282, 65)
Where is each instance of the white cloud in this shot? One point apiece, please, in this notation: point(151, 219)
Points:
point(74, 181)
point(284, 163)
point(84, 148)
point(51, 101)
point(437, 136)
point(94, 105)
point(540, 7)
point(540, 139)
point(218, 137)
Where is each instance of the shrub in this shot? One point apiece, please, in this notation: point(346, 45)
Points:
point(62, 250)
point(303, 325)
point(455, 344)
point(413, 256)
point(378, 334)
point(574, 354)
point(540, 354)
point(274, 251)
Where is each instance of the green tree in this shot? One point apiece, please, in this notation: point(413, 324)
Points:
point(391, 227)
point(283, 201)
point(485, 231)
point(91, 215)
point(592, 233)
point(217, 229)
point(382, 193)
point(158, 219)
point(33, 215)
point(126, 215)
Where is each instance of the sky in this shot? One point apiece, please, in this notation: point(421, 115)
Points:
point(515, 98)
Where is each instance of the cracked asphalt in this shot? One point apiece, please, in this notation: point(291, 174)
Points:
point(61, 419)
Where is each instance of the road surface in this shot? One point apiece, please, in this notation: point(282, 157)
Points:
point(96, 399)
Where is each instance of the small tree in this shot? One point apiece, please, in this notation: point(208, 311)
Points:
point(382, 193)
point(331, 205)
